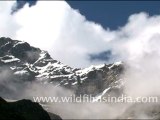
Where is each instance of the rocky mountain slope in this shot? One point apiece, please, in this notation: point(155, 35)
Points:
point(27, 63)
point(21, 63)
point(23, 110)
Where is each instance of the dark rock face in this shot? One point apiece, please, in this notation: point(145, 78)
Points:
point(2, 101)
point(54, 116)
point(101, 78)
point(23, 110)
point(18, 49)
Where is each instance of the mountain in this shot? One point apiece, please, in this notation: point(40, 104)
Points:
point(21, 64)
point(25, 63)
point(23, 110)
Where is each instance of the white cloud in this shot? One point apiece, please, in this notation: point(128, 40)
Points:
point(67, 35)
point(143, 52)
point(54, 26)
point(41, 24)
point(8, 24)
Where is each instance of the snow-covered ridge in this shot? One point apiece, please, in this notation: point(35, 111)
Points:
point(91, 68)
point(116, 64)
point(32, 64)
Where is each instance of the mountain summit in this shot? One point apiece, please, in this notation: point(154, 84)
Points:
point(27, 63)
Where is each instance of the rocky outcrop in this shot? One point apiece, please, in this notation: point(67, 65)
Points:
point(54, 116)
point(23, 110)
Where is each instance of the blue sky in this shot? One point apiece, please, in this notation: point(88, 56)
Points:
point(114, 14)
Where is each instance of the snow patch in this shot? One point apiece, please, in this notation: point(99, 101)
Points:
point(9, 59)
point(115, 64)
